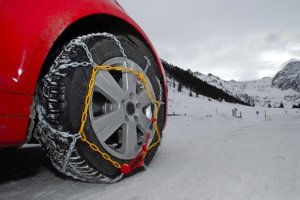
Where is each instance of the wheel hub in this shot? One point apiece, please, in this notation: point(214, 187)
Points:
point(130, 108)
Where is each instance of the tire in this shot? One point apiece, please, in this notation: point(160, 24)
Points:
point(119, 115)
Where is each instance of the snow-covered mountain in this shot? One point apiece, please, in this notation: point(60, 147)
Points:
point(259, 92)
point(266, 92)
point(288, 77)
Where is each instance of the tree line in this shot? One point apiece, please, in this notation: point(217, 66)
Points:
point(188, 80)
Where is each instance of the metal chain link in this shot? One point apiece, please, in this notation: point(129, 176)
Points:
point(84, 46)
point(147, 65)
point(71, 148)
point(111, 36)
point(160, 89)
point(75, 64)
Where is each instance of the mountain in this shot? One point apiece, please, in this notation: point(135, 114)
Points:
point(258, 92)
point(288, 77)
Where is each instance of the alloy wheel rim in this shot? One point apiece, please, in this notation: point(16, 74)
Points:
point(121, 111)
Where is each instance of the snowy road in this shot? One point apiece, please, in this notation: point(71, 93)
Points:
point(205, 155)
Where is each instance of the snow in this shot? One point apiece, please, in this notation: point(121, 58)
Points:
point(260, 91)
point(205, 154)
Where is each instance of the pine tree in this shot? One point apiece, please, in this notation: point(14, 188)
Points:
point(281, 105)
point(179, 87)
point(296, 106)
point(191, 94)
point(269, 106)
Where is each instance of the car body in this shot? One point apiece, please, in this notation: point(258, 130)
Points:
point(30, 32)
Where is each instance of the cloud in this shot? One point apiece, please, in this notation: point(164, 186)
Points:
point(240, 40)
point(272, 38)
point(275, 57)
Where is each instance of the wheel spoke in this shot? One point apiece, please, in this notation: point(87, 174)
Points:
point(130, 139)
point(108, 86)
point(129, 82)
point(144, 123)
point(106, 125)
point(143, 98)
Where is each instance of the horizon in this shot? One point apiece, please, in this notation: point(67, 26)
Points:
point(207, 74)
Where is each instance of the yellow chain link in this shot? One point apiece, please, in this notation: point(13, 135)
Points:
point(141, 77)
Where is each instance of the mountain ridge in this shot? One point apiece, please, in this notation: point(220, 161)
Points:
point(257, 92)
point(288, 77)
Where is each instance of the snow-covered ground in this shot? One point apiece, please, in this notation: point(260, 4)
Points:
point(205, 154)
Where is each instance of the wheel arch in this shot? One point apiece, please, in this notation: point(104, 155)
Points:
point(90, 24)
point(103, 23)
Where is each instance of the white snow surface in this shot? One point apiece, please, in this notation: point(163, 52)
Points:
point(205, 154)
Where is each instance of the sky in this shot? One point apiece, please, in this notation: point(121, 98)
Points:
point(232, 39)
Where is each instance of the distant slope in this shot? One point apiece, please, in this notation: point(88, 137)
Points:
point(257, 92)
point(232, 88)
point(199, 86)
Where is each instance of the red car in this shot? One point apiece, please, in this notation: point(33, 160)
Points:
point(83, 79)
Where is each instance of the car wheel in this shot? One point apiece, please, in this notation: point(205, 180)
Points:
point(121, 116)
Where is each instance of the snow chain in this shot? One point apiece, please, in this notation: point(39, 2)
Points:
point(138, 160)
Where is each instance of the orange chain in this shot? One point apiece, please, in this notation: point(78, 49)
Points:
point(141, 77)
